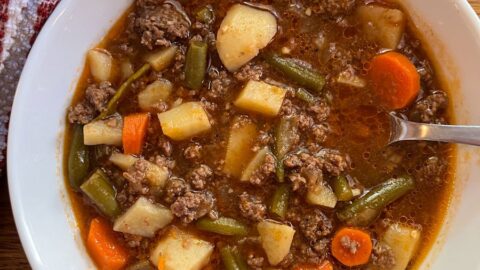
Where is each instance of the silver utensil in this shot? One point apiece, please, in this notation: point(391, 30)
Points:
point(404, 130)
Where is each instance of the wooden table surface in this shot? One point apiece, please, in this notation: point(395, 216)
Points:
point(11, 252)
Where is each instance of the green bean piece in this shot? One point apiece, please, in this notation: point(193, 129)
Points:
point(141, 265)
point(304, 76)
point(223, 226)
point(280, 171)
point(228, 259)
point(304, 95)
point(342, 189)
point(122, 91)
point(205, 15)
point(196, 64)
point(101, 192)
point(78, 159)
point(280, 199)
point(364, 210)
point(242, 265)
point(285, 136)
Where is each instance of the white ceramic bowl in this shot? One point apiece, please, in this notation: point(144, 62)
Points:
point(40, 204)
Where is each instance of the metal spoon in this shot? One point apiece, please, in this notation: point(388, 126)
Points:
point(404, 130)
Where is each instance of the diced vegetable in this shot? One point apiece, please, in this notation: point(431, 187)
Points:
point(383, 25)
point(404, 242)
point(122, 161)
point(126, 69)
point(106, 131)
point(231, 260)
point(276, 240)
point(182, 251)
point(143, 218)
point(141, 265)
point(122, 91)
point(156, 175)
point(306, 96)
point(342, 189)
point(239, 149)
point(300, 74)
point(280, 171)
point(223, 226)
point(280, 199)
point(101, 192)
point(103, 246)
point(261, 97)
point(364, 210)
point(205, 15)
point(326, 265)
point(342, 251)
point(243, 33)
point(155, 92)
point(196, 64)
point(350, 79)
point(257, 161)
point(286, 133)
point(101, 64)
point(184, 121)
point(161, 59)
point(134, 132)
point(78, 159)
point(322, 195)
point(242, 265)
point(394, 79)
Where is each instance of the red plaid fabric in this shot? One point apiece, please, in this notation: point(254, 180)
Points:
point(20, 22)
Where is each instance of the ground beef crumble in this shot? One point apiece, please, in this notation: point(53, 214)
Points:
point(315, 225)
point(429, 109)
point(193, 205)
point(200, 176)
point(249, 72)
point(95, 101)
point(382, 257)
point(193, 152)
point(174, 188)
point(252, 207)
point(160, 25)
point(136, 178)
point(220, 83)
point(264, 172)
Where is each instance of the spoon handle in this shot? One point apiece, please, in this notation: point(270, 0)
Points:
point(403, 130)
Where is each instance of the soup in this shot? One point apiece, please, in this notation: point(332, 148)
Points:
point(234, 135)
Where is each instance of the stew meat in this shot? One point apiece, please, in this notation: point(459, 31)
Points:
point(233, 135)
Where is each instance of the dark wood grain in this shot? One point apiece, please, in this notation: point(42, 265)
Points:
point(11, 252)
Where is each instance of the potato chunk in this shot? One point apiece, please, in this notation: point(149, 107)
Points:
point(161, 59)
point(143, 218)
point(100, 63)
point(108, 131)
point(322, 195)
point(155, 92)
point(184, 121)
point(276, 240)
point(243, 33)
point(261, 97)
point(383, 25)
point(122, 161)
point(156, 175)
point(182, 251)
point(243, 134)
point(255, 164)
point(404, 241)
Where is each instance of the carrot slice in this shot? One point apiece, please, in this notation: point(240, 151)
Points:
point(134, 132)
point(326, 265)
point(161, 263)
point(395, 80)
point(106, 251)
point(352, 247)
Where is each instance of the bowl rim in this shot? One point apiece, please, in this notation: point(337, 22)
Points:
point(28, 244)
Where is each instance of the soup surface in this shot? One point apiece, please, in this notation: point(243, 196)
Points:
point(232, 135)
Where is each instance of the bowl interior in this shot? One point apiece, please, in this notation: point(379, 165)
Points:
point(42, 209)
